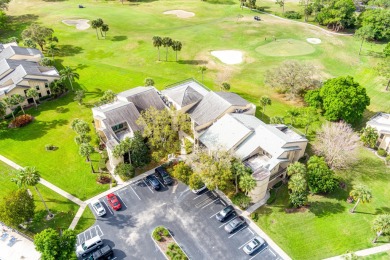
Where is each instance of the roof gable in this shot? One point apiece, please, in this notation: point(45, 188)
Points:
point(143, 98)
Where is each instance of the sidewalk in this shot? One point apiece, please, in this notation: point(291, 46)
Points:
point(364, 252)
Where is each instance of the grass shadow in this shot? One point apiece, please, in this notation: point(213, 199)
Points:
point(68, 50)
point(221, 2)
point(193, 62)
point(16, 24)
point(119, 38)
point(324, 209)
point(382, 210)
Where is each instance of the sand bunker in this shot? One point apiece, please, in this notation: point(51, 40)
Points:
point(229, 56)
point(285, 47)
point(313, 40)
point(81, 24)
point(180, 13)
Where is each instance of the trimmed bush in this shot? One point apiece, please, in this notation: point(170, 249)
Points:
point(292, 15)
point(241, 200)
point(50, 147)
point(21, 120)
point(125, 171)
point(255, 216)
point(382, 152)
point(160, 232)
point(175, 252)
point(188, 146)
point(113, 183)
point(45, 97)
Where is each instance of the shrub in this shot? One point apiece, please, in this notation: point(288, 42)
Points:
point(188, 146)
point(156, 236)
point(103, 178)
point(113, 183)
point(195, 182)
point(241, 200)
point(292, 15)
point(50, 147)
point(21, 120)
point(255, 216)
point(125, 171)
point(45, 97)
point(382, 152)
point(175, 252)
point(182, 172)
point(272, 197)
point(160, 232)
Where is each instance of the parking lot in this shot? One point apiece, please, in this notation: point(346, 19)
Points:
point(190, 218)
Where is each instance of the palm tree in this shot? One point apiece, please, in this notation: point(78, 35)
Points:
point(176, 46)
point(225, 86)
point(85, 150)
point(33, 93)
point(105, 29)
point(157, 42)
point(95, 25)
point(3, 109)
point(100, 24)
point(10, 102)
point(70, 74)
point(51, 49)
point(202, 70)
point(360, 193)
point(29, 176)
point(297, 183)
point(247, 183)
point(166, 42)
point(239, 169)
point(381, 226)
point(19, 99)
point(292, 114)
point(265, 101)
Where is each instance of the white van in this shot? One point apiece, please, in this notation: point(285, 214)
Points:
point(88, 246)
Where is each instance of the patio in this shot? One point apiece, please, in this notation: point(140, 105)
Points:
point(15, 246)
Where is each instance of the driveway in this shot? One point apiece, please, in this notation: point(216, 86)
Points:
point(189, 217)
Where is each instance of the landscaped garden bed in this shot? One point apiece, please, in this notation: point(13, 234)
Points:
point(168, 244)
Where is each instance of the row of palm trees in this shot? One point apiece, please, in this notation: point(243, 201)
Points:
point(99, 24)
point(166, 42)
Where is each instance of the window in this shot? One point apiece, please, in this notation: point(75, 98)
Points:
point(118, 127)
point(381, 136)
point(48, 92)
point(37, 87)
point(46, 85)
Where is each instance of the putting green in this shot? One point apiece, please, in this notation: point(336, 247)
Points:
point(285, 47)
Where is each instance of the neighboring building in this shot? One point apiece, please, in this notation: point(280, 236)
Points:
point(381, 122)
point(116, 121)
point(20, 70)
point(266, 149)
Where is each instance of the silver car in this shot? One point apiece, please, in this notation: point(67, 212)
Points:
point(253, 245)
point(233, 225)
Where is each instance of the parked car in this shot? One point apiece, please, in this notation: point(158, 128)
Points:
point(225, 213)
point(167, 179)
point(153, 181)
point(113, 201)
point(98, 208)
point(234, 224)
point(197, 191)
point(103, 253)
point(88, 246)
point(253, 245)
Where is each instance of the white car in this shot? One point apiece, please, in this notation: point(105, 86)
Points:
point(98, 208)
point(253, 245)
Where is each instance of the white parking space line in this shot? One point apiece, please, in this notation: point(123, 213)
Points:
point(84, 237)
point(251, 231)
point(214, 214)
point(210, 203)
point(135, 192)
point(236, 232)
point(174, 188)
point(123, 202)
point(224, 203)
point(109, 209)
point(200, 195)
point(258, 253)
point(148, 186)
point(98, 227)
point(246, 243)
point(272, 252)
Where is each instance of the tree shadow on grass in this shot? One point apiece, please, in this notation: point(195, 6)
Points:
point(324, 209)
point(382, 210)
point(118, 38)
point(193, 62)
point(68, 50)
point(16, 24)
point(221, 2)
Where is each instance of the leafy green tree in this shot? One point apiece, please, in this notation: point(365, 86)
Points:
point(122, 148)
point(247, 183)
point(57, 87)
point(139, 151)
point(19, 99)
point(157, 42)
point(381, 226)
point(239, 169)
point(3, 109)
point(383, 70)
point(108, 96)
point(377, 20)
point(225, 86)
point(45, 62)
point(69, 74)
point(337, 14)
point(51, 49)
point(369, 136)
point(29, 43)
point(54, 246)
point(308, 117)
point(202, 70)
point(365, 33)
point(298, 189)
point(360, 193)
point(298, 199)
point(105, 28)
point(293, 114)
point(38, 34)
point(176, 46)
point(320, 178)
point(79, 95)
point(148, 82)
point(29, 176)
point(80, 126)
point(252, 3)
point(10, 102)
point(182, 172)
point(276, 120)
point(86, 150)
point(296, 168)
point(281, 4)
point(166, 42)
point(33, 93)
point(17, 207)
point(195, 182)
point(265, 101)
point(82, 139)
point(125, 171)
point(343, 99)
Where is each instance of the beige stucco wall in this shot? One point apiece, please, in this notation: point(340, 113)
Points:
point(385, 142)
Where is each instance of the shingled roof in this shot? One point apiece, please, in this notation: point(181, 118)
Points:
point(143, 98)
point(10, 51)
point(185, 93)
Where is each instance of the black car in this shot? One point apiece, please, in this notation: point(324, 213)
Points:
point(167, 180)
point(225, 213)
point(101, 254)
point(153, 181)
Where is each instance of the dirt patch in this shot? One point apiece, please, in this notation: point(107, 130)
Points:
point(180, 13)
point(81, 24)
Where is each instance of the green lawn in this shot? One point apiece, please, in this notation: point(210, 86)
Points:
point(379, 256)
point(327, 228)
point(86, 220)
point(64, 209)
